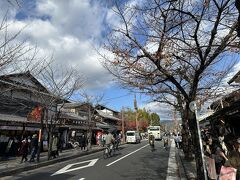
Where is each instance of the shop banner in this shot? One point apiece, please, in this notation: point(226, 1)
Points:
point(211, 169)
point(31, 129)
point(227, 173)
point(45, 145)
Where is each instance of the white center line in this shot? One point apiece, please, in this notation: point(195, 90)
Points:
point(82, 179)
point(126, 155)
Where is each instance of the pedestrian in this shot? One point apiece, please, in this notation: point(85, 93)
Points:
point(234, 157)
point(219, 155)
point(82, 142)
point(180, 141)
point(60, 145)
point(176, 140)
point(100, 140)
point(24, 149)
point(55, 146)
point(165, 142)
point(34, 147)
point(104, 139)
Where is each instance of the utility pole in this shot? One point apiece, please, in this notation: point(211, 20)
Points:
point(123, 128)
point(89, 133)
point(136, 110)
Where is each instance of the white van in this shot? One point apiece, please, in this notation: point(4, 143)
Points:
point(133, 137)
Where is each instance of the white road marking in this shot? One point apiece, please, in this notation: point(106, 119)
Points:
point(82, 179)
point(67, 168)
point(172, 164)
point(126, 155)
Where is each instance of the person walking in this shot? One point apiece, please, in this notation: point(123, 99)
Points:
point(179, 141)
point(82, 142)
point(104, 139)
point(176, 139)
point(165, 141)
point(55, 146)
point(24, 149)
point(34, 147)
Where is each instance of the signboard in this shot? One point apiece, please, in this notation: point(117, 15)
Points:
point(45, 145)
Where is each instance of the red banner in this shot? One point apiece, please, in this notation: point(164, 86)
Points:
point(35, 114)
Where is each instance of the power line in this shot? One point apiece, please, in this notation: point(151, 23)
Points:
point(117, 97)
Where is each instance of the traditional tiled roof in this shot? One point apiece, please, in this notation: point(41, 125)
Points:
point(106, 115)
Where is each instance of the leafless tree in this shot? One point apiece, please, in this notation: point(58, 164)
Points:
point(61, 85)
point(181, 48)
point(92, 102)
point(15, 55)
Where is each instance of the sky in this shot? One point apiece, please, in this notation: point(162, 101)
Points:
point(71, 31)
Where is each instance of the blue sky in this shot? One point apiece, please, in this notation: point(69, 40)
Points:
point(71, 30)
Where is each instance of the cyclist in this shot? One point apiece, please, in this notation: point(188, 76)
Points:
point(109, 140)
point(151, 140)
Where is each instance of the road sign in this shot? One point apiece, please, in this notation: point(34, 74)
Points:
point(67, 169)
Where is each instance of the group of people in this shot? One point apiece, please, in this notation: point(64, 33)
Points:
point(224, 150)
point(82, 142)
point(104, 139)
point(178, 140)
point(151, 141)
point(29, 146)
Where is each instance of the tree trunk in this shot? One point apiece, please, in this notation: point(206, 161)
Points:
point(40, 138)
point(50, 139)
point(186, 141)
point(186, 136)
point(89, 139)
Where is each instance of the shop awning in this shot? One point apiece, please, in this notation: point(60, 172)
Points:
point(14, 118)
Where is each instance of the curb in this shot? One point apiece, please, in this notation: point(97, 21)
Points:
point(46, 163)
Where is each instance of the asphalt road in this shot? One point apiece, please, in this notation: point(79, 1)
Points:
point(132, 161)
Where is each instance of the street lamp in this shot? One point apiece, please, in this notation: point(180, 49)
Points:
point(193, 107)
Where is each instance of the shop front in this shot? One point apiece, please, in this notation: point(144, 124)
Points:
point(13, 132)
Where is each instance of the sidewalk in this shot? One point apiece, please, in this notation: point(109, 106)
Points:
point(187, 168)
point(14, 166)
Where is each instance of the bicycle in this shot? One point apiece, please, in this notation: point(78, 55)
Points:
point(165, 145)
point(152, 145)
point(108, 151)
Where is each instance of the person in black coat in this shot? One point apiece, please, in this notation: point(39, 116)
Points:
point(24, 150)
point(82, 142)
point(34, 147)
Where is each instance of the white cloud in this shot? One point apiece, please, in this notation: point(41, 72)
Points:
point(165, 111)
point(69, 30)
